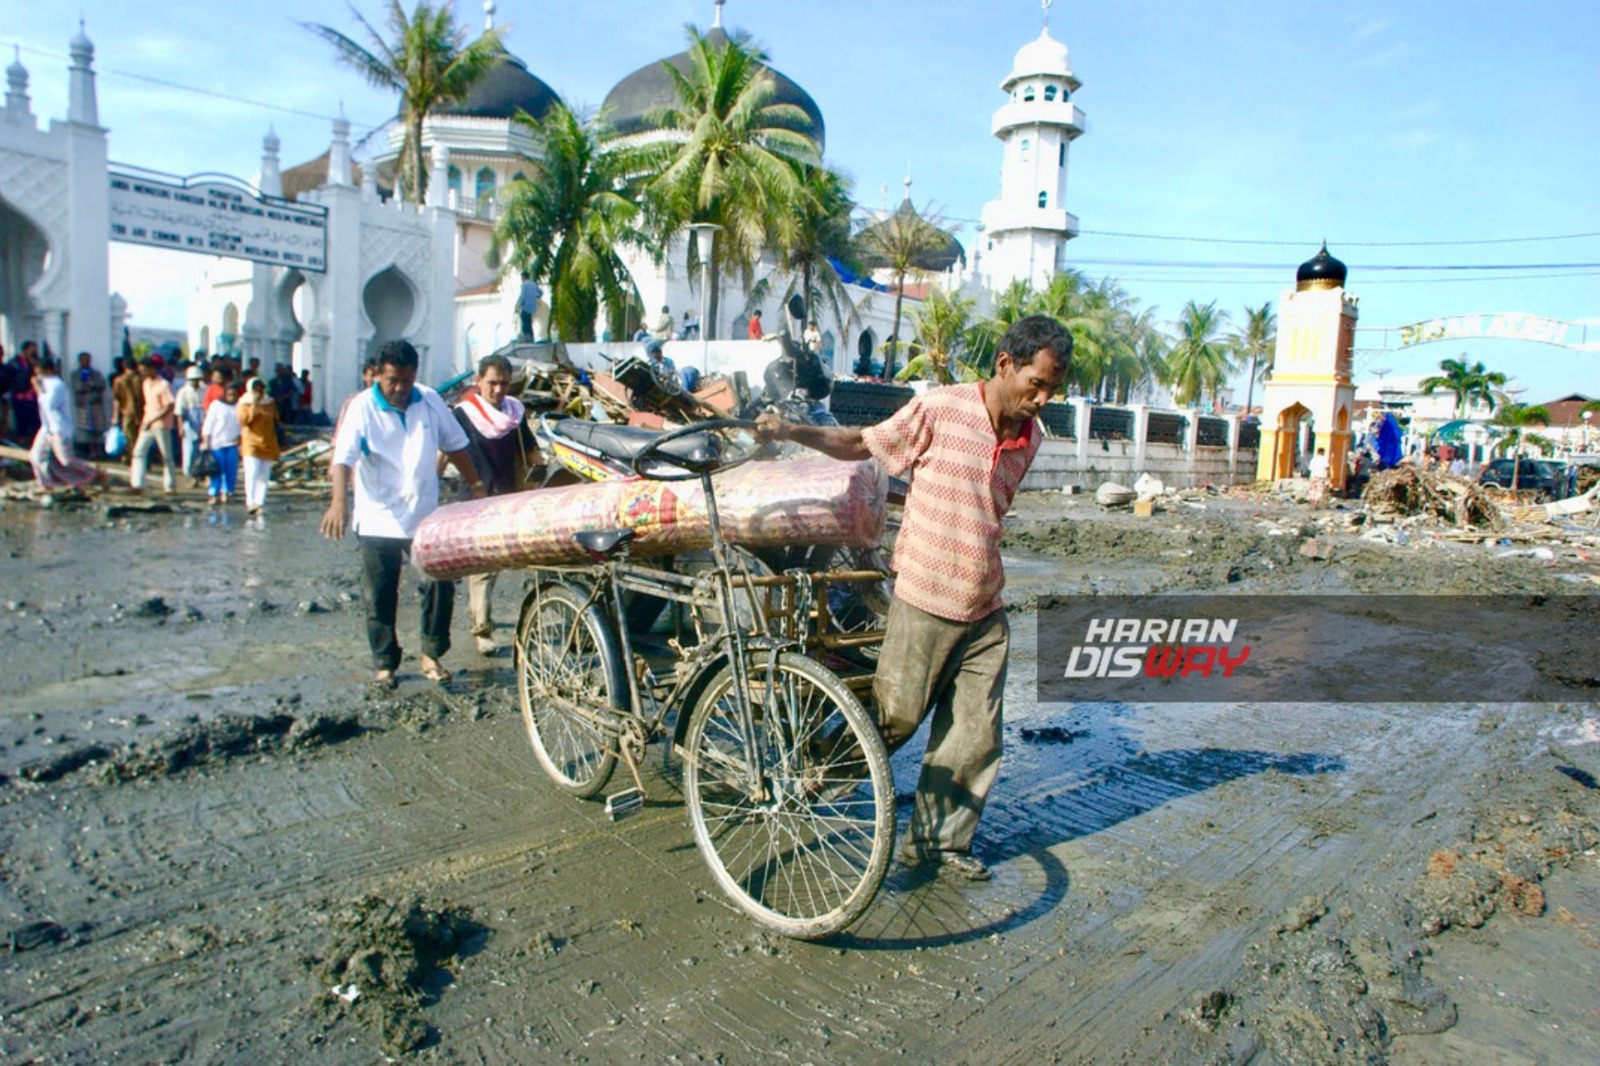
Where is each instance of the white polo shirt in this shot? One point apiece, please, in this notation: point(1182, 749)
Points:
point(394, 455)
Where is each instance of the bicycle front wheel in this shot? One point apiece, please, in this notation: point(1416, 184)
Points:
point(800, 841)
point(569, 681)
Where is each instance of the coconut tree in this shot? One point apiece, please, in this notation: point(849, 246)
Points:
point(731, 157)
point(1087, 314)
point(907, 243)
point(983, 336)
point(1256, 341)
point(1198, 360)
point(427, 59)
point(820, 236)
point(564, 225)
point(1516, 419)
point(1468, 383)
point(941, 326)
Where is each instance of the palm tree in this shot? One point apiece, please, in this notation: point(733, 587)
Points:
point(941, 326)
point(428, 61)
point(983, 336)
point(819, 237)
point(1517, 418)
point(1086, 313)
point(566, 224)
point(1468, 383)
point(1198, 360)
point(906, 243)
point(1257, 339)
point(730, 158)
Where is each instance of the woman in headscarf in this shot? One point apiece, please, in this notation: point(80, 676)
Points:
point(258, 442)
point(220, 434)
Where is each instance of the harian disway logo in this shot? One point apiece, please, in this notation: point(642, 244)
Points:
point(1158, 647)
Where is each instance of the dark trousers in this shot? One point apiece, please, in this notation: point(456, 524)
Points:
point(382, 559)
point(527, 323)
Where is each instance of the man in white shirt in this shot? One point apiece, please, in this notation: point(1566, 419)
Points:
point(191, 414)
point(387, 443)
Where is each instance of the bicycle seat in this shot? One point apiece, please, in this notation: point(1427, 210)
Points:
point(697, 451)
point(600, 543)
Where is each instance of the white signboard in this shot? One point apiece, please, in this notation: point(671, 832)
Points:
point(218, 218)
point(1509, 325)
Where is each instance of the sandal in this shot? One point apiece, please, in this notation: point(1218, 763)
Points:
point(434, 672)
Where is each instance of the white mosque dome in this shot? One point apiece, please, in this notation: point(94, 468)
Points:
point(1044, 56)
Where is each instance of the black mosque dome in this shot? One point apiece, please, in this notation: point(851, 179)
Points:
point(650, 89)
point(504, 89)
point(1321, 271)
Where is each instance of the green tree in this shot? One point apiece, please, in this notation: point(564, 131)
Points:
point(941, 327)
point(1198, 361)
point(427, 60)
point(821, 234)
point(983, 336)
point(565, 224)
point(1467, 383)
point(731, 158)
point(1256, 341)
point(907, 244)
point(1516, 419)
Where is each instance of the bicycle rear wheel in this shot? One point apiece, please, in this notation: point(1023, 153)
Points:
point(569, 677)
point(806, 851)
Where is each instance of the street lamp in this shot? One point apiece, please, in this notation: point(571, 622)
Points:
point(705, 237)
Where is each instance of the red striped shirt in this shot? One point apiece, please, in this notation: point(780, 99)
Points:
point(947, 559)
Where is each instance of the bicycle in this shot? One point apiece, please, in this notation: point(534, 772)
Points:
point(785, 777)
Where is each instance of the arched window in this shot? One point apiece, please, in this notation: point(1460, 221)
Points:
point(1050, 93)
point(519, 176)
point(1025, 149)
point(1044, 198)
point(453, 179)
point(485, 186)
point(1062, 160)
point(1027, 94)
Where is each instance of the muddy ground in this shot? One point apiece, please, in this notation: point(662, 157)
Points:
point(216, 845)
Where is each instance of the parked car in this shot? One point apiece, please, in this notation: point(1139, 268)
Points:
point(1546, 477)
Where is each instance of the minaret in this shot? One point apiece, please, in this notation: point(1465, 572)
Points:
point(82, 106)
point(270, 183)
point(18, 108)
point(1027, 227)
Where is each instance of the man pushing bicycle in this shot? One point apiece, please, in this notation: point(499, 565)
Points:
point(965, 449)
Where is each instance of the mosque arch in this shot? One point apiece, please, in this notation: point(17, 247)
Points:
point(26, 267)
point(1025, 149)
point(228, 339)
point(1049, 94)
point(390, 303)
point(205, 340)
point(865, 344)
point(1027, 95)
point(289, 314)
point(483, 186)
point(452, 179)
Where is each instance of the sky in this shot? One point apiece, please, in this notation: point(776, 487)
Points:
point(1230, 136)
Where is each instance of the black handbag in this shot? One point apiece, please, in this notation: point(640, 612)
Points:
point(206, 464)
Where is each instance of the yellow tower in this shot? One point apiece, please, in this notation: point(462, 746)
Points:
point(1309, 400)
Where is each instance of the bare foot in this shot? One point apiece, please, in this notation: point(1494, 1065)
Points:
point(433, 671)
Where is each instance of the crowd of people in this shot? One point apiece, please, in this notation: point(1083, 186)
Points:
point(209, 419)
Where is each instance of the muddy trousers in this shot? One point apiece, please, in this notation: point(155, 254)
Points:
point(955, 671)
point(480, 602)
point(161, 440)
point(382, 560)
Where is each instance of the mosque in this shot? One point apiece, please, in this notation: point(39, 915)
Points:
point(475, 148)
point(332, 263)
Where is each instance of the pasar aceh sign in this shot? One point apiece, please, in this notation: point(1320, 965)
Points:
point(218, 218)
point(1508, 325)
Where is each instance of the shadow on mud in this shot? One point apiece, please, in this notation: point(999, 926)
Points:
point(1066, 780)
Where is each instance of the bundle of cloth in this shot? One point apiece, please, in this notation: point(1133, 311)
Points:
point(812, 500)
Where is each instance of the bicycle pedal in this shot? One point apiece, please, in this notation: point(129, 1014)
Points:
point(620, 805)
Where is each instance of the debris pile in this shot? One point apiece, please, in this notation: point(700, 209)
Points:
point(1407, 491)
